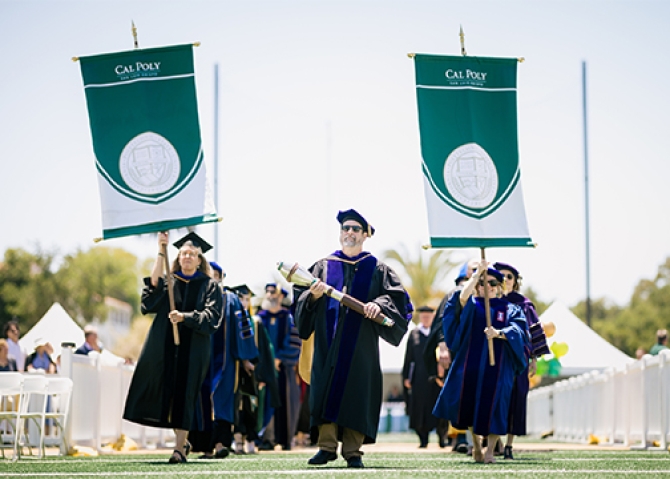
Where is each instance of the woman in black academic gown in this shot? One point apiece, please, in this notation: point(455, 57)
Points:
point(167, 379)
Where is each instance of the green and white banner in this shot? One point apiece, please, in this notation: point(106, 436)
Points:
point(468, 128)
point(146, 136)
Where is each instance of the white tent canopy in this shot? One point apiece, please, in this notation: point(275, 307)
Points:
point(586, 349)
point(56, 327)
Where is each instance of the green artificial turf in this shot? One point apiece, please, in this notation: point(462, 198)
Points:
point(534, 464)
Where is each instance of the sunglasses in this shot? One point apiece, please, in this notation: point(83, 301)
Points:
point(509, 276)
point(491, 282)
point(354, 228)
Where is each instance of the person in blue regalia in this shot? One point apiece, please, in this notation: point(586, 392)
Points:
point(232, 346)
point(279, 422)
point(538, 347)
point(476, 395)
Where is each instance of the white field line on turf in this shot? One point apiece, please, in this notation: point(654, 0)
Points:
point(492, 470)
point(458, 459)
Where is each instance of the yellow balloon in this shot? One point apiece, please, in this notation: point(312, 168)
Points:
point(559, 349)
point(549, 329)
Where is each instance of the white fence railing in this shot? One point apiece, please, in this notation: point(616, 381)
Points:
point(98, 400)
point(628, 406)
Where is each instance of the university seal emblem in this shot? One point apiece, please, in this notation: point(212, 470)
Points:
point(470, 176)
point(149, 164)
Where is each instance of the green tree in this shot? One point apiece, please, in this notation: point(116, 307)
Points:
point(87, 277)
point(422, 275)
point(634, 325)
point(27, 286)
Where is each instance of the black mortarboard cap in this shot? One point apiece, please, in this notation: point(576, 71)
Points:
point(495, 273)
point(277, 287)
point(426, 309)
point(196, 240)
point(242, 289)
point(352, 214)
point(506, 266)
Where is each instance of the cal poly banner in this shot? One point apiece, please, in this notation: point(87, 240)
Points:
point(146, 137)
point(468, 128)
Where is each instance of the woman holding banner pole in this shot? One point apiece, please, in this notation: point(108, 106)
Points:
point(476, 394)
point(167, 379)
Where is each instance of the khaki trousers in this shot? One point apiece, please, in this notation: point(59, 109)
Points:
point(351, 440)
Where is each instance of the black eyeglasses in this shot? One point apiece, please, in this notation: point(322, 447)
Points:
point(491, 282)
point(509, 276)
point(354, 228)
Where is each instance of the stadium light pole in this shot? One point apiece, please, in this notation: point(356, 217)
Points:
point(586, 200)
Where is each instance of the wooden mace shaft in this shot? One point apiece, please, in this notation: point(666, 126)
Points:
point(356, 305)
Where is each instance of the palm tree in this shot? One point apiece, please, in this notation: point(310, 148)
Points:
point(422, 275)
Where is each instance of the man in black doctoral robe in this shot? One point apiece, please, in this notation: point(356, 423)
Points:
point(423, 389)
point(346, 379)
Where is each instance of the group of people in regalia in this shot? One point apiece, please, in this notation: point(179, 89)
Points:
point(225, 382)
point(481, 371)
point(230, 381)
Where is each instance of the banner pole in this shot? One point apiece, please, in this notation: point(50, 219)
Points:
point(487, 308)
point(134, 30)
point(168, 278)
point(462, 35)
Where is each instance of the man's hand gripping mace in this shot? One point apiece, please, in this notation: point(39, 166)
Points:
point(296, 274)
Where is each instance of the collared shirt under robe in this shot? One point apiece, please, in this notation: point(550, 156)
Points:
point(346, 378)
point(476, 394)
point(166, 383)
point(538, 347)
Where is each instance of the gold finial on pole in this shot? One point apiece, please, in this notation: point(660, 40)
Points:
point(135, 34)
point(462, 35)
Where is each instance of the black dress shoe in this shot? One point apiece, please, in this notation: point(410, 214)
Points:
point(322, 457)
point(266, 446)
point(222, 453)
point(508, 452)
point(355, 461)
point(177, 457)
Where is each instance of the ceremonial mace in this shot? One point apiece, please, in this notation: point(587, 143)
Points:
point(296, 274)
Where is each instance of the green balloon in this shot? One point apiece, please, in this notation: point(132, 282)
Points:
point(542, 367)
point(554, 367)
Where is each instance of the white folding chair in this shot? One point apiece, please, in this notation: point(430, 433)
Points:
point(11, 384)
point(59, 391)
point(32, 406)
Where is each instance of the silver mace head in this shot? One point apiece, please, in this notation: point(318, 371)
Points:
point(296, 274)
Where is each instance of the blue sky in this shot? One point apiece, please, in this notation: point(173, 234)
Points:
point(312, 87)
